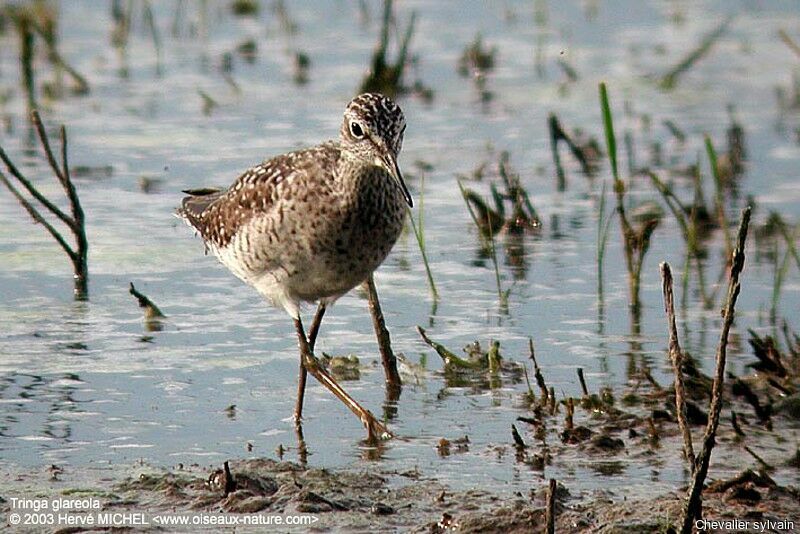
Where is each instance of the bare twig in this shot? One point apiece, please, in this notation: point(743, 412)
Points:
point(582, 380)
point(764, 465)
point(519, 443)
point(24, 24)
point(692, 506)
point(55, 210)
point(538, 373)
point(81, 85)
point(557, 134)
point(550, 512)
point(676, 355)
point(671, 78)
point(37, 217)
point(76, 222)
point(230, 482)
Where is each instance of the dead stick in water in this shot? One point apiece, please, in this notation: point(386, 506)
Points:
point(81, 85)
point(583, 382)
point(538, 372)
point(692, 506)
point(558, 134)
point(568, 422)
point(518, 441)
point(230, 482)
point(554, 127)
point(676, 356)
point(550, 513)
point(764, 465)
point(671, 78)
point(735, 424)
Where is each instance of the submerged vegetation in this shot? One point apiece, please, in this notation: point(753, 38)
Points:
point(387, 76)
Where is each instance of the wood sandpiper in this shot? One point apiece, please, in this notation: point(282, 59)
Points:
point(310, 225)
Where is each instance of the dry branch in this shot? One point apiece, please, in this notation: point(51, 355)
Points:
point(75, 222)
point(669, 80)
point(582, 380)
point(692, 506)
point(538, 373)
point(676, 356)
point(789, 42)
point(550, 511)
point(558, 134)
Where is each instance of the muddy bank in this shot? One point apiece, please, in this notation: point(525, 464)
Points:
point(370, 500)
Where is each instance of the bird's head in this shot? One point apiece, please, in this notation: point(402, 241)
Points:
point(373, 131)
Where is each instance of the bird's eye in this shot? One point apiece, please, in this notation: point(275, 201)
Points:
point(356, 130)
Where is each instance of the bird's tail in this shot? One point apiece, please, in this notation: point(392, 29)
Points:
point(192, 207)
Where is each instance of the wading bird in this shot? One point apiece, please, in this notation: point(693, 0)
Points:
point(310, 225)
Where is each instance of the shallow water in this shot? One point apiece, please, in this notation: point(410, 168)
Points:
point(84, 381)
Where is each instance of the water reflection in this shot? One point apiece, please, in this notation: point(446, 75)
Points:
point(31, 400)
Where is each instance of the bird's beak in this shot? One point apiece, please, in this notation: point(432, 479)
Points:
point(389, 162)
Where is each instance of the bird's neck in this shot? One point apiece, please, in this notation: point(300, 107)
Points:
point(356, 175)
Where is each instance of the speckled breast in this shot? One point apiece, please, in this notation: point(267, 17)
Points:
point(359, 232)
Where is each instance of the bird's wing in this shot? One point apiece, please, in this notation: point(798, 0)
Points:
point(217, 215)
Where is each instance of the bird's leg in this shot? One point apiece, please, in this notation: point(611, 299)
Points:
point(393, 383)
point(375, 429)
point(301, 381)
point(302, 449)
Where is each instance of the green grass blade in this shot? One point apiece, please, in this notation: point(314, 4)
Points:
point(608, 125)
point(421, 244)
point(723, 222)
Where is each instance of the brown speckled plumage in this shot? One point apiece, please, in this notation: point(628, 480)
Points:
point(312, 224)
